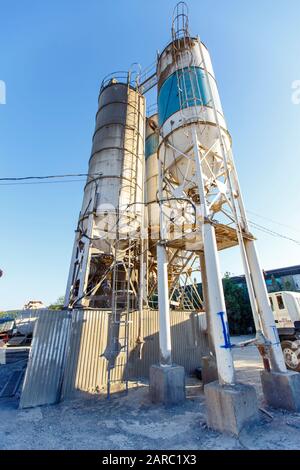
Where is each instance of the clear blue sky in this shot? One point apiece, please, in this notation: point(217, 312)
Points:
point(53, 55)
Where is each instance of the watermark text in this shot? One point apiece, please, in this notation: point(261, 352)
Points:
point(2, 92)
point(296, 92)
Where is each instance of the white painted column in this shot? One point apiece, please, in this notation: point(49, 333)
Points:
point(206, 302)
point(143, 231)
point(163, 287)
point(164, 308)
point(219, 322)
point(224, 151)
point(260, 291)
point(266, 314)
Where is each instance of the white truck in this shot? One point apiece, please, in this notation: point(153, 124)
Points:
point(286, 310)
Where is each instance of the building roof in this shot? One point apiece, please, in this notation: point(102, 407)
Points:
point(288, 271)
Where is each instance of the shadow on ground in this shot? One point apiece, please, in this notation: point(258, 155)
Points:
point(133, 422)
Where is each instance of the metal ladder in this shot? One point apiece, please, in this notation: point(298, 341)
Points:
point(121, 307)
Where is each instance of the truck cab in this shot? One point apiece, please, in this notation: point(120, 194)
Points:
point(286, 310)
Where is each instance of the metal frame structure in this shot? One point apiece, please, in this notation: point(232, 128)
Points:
point(199, 216)
point(120, 270)
point(220, 205)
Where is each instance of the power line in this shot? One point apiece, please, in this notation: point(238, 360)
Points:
point(22, 178)
point(41, 182)
point(268, 230)
point(272, 232)
point(273, 221)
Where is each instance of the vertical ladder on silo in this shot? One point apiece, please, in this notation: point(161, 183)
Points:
point(121, 308)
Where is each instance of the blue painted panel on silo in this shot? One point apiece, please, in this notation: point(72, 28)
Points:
point(151, 145)
point(190, 88)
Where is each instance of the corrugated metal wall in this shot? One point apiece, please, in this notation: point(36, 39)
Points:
point(30, 313)
point(70, 350)
point(44, 373)
point(86, 368)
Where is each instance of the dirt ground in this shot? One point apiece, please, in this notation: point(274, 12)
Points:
point(133, 422)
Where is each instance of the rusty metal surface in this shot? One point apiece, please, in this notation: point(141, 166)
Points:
point(43, 378)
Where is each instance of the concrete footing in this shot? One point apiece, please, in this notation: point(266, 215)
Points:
point(167, 384)
point(209, 370)
point(281, 389)
point(230, 407)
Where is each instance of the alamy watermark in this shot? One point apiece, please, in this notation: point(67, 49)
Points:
point(296, 92)
point(2, 92)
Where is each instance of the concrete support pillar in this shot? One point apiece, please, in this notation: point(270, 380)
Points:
point(229, 405)
point(165, 355)
point(206, 301)
point(266, 314)
point(167, 380)
point(218, 316)
point(167, 385)
point(281, 388)
point(230, 408)
point(209, 365)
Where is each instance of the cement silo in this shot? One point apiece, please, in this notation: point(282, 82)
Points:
point(180, 221)
point(196, 164)
point(110, 221)
point(194, 209)
point(151, 172)
point(179, 210)
point(187, 90)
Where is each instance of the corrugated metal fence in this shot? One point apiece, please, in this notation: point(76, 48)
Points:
point(70, 350)
point(44, 374)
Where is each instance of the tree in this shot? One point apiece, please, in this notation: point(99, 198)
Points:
point(58, 304)
point(238, 307)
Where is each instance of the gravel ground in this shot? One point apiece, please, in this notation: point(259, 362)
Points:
point(132, 422)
